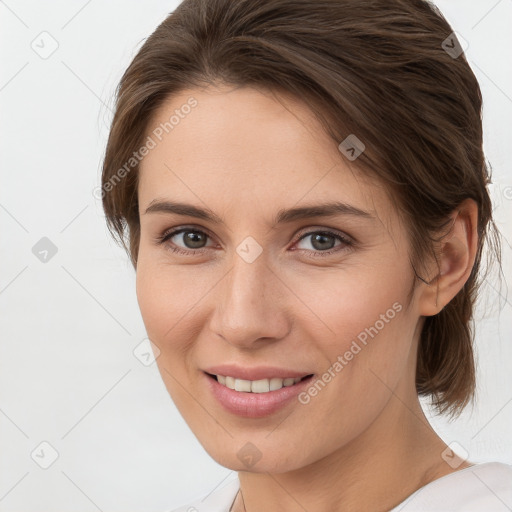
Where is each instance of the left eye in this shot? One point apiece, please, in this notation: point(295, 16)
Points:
point(323, 241)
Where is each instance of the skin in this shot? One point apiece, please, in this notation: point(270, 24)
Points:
point(246, 154)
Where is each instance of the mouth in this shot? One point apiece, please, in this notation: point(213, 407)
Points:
point(257, 386)
point(256, 398)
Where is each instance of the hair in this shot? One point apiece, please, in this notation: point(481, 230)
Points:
point(378, 69)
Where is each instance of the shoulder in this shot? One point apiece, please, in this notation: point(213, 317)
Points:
point(219, 500)
point(485, 486)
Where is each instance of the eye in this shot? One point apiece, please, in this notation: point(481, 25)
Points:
point(323, 242)
point(192, 240)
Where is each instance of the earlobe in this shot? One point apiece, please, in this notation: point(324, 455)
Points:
point(456, 257)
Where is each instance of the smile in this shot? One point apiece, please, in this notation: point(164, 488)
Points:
point(257, 386)
point(255, 398)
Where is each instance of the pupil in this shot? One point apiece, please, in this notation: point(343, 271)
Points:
point(322, 240)
point(193, 240)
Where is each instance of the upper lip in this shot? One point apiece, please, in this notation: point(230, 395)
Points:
point(254, 373)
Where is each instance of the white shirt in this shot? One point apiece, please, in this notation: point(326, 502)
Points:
point(484, 487)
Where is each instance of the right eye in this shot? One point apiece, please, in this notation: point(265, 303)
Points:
point(193, 240)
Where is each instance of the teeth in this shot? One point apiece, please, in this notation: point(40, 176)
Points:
point(242, 385)
point(260, 386)
point(276, 383)
point(256, 386)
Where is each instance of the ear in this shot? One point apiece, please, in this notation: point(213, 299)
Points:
point(456, 257)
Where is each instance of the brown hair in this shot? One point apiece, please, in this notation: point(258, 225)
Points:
point(379, 69)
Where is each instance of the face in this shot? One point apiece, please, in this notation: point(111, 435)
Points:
point(245, 272)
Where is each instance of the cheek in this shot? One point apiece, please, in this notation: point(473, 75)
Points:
point(363, 352)
point(164, 300)
point(360, 324)
point(171, 301)
point(153, 299)
point(351, 302)
point(165, 294)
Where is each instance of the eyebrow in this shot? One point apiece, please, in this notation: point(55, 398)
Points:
point(282, 216)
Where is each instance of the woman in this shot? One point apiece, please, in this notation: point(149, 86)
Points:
point(301, 188)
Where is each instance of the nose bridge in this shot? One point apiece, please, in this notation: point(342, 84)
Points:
point(247, 307)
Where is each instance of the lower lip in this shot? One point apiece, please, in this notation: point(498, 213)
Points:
point(254, 405)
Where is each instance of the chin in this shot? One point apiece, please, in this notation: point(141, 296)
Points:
point(257, 456)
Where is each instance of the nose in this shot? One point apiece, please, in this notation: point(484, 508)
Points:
point(250, 305)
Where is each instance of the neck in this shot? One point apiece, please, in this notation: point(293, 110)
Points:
point(396, 455)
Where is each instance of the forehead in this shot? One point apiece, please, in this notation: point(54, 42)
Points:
point(248, 150)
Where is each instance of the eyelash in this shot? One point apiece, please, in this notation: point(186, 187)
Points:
point(161, 240)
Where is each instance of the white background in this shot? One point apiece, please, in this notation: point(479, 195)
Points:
point(68, 375)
